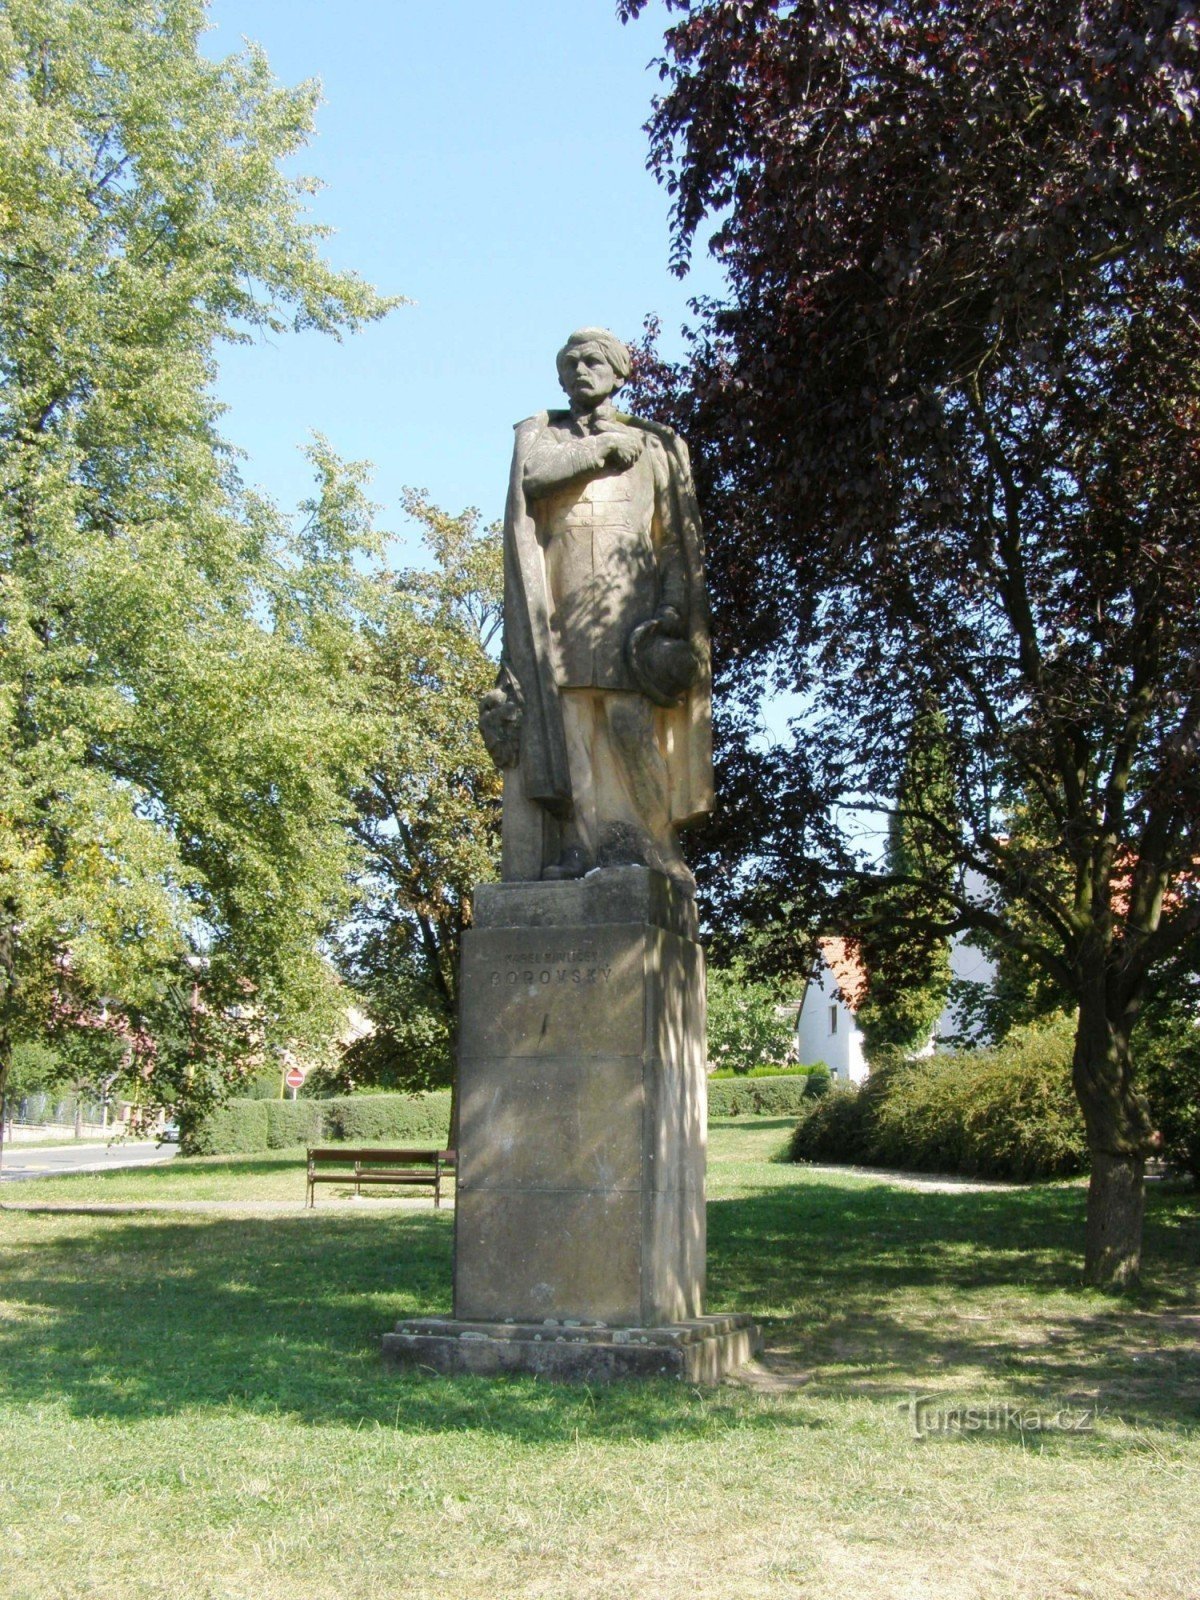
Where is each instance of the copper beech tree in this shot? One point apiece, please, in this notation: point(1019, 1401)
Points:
point(949, 439)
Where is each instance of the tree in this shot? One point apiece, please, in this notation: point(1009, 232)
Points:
point(747, 1024)
point(428, 813)
point(177, 755)
point(947, 421)
point(1170, 1061)
point(906, 959)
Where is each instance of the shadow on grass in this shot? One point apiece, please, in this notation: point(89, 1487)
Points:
point(871, 1291)
point(132, 1317)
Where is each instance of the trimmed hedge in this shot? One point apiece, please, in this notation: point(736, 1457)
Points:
point(769, 1095)
point(242, 1127)
point(373, 1118)
point(818, 1069)
point(292, 1122)
point(1009, 1112)
point(239, 1127)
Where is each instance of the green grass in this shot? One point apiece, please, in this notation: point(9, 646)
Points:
point(63, 1141)
point(193, 1405)
point(272, 1175)
point(276, 1175)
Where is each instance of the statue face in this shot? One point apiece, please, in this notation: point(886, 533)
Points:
point(586, 376)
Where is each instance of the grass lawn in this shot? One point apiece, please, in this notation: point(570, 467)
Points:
point(274, 1175)
point(192, 1405)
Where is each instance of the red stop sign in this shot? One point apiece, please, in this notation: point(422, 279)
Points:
point(294, 1077)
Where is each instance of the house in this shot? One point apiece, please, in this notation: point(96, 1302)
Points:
point(825, 1025)
point(826, 1029)
point(967, 965)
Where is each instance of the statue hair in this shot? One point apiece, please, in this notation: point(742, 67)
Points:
point(616, 353)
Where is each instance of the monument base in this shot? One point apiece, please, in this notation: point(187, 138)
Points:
point(700, 1350)
point(582, 1125)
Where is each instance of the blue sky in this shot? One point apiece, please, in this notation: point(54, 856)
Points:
point(488, 161)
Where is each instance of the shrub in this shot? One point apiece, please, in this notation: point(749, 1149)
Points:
point(1008, 1112)
point(771, 1095)
point(292, 1122)
point(832, 1128)
point(242, 1127)
point(373, 1118)
point(1168, 1062)
point(239, 1127)
point(818, 1069)
point(1020, 1117)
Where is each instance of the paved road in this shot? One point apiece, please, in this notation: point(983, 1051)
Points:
point(53, 1161)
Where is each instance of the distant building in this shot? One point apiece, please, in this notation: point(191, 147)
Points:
point(826, 1022)
point(967, 965)
point(826, 1029)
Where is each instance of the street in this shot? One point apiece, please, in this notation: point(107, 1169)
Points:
point(52, 1161)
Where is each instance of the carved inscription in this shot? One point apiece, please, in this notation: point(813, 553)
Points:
point(573, 967)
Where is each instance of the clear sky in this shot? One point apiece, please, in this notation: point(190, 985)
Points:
point(485, 158)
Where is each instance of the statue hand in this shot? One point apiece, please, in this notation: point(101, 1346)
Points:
point(670, 622)
point(623, 449)
point(500, 725)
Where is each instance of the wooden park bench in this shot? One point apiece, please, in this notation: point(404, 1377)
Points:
point(425, 1167)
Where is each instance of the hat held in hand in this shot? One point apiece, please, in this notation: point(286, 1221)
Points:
point(662, 667)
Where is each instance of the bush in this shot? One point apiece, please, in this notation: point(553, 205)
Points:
point(1020, 1116)
point(239, 1127)
point(765, 1094)
point(243, 1127)
point(373, 1118)
point(832, 1128)
point(818, 1069)
point(1168, 1062)
point(1008, 1112)
point(292, 1122)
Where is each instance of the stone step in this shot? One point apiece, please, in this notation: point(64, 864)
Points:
point(698, 1350)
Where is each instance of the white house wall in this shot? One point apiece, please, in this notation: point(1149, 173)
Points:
point(967, 964)
point(840, 1047)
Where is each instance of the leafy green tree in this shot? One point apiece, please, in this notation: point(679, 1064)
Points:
point(428, 813)
point(906, 958)
point(1171, 1068)
point(175, 748)
point(747, 1026)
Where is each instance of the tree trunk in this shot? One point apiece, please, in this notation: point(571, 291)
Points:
point(1115, 1209)
point(1120, 1136)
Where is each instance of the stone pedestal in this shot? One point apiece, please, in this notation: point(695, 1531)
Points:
point(582, 1123)
point(579, 1213)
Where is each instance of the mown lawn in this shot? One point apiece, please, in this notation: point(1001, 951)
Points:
point(193, 1405)
point(273, 1175)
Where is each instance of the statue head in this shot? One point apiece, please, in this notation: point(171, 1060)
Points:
point(592, 365)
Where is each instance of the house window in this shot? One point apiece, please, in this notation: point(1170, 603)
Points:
point(833, 1019)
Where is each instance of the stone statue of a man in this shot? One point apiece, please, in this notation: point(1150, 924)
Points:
point(601, 714)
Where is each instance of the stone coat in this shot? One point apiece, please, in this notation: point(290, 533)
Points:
point(570, 600)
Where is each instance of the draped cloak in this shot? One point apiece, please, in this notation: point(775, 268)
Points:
point(527, 665)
